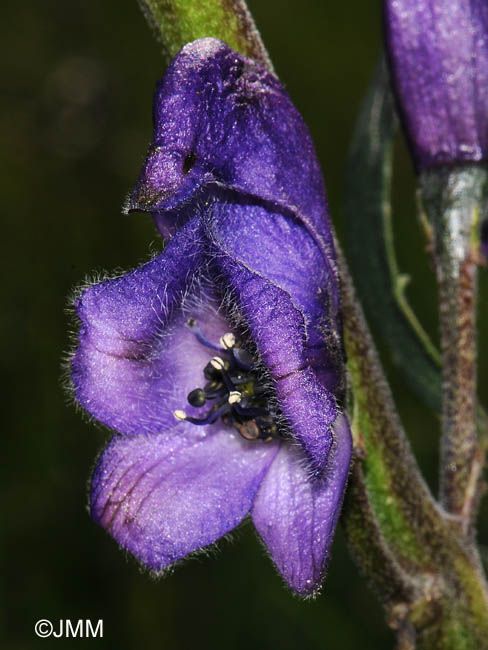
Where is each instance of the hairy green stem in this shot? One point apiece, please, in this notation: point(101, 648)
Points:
point(453, 198)
point(177, 22)
point(369, 547)
point(452, 609)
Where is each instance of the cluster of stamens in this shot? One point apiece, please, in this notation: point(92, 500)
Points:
point(233, 388)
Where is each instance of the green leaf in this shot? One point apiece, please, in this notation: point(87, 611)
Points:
point(379, 283)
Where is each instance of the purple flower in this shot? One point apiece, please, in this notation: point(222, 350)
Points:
point(219, 364)
point(438, 52)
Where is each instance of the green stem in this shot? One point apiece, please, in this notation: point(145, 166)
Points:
point(400, 282)
point(177, 22)
point(452, 198)
point(369, 547)
point(452, 611)
point(408, 516)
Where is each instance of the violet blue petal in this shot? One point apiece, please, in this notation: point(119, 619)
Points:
point(439, 60)
point(233, 178)
point(221, 117)
point(122, 311)
point(162, 498)
point(283, 306)
point(296, 517)
point(136, 359)
point(289, 254)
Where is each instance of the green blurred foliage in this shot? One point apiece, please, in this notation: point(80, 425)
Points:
point(75, 118)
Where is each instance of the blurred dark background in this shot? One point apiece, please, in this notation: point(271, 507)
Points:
point(75, 119)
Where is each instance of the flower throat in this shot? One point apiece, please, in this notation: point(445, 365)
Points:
point(238, 396)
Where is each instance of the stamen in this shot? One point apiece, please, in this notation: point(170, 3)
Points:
point(192, 324)
point(239, 380)
point(243, 359)
point(248, 430)
point(210, 372)
point(214, 389)
point(197, 397)
point(217, 363)
point(223, 366)
point(227, 341)
point(268, 428)
point(249, 412)
point(212, 416)
point(234, 397)
point(240, 397)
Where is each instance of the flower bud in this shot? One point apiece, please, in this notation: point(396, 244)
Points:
point(438, 52)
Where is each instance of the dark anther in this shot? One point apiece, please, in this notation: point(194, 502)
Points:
point(214, 389)
point(196, 397)
point(188, 162)
point(210, 372)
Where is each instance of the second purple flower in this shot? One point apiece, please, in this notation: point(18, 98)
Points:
point(438, 52)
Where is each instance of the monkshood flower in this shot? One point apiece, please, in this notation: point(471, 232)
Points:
point(438, 52)
point(219, 364)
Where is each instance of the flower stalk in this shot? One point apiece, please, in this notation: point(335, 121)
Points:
point(453, 199)
point(177, 22)
point(412, 533)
